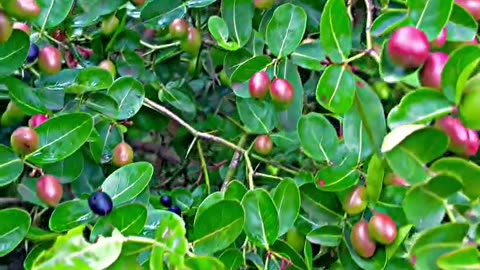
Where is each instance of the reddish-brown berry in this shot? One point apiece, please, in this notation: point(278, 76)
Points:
point(259, 85)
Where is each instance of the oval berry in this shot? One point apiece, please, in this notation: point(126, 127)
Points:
point(49, 60)
point(361, 240)
point(259, 85)
point(100, 203)
point(49, 190)
point(382, 229)
point(24, 140)
point(281, 92)
point(178, 29)
point(122, 154)
point(263, 145)
point(408, 47)
point(356, 201)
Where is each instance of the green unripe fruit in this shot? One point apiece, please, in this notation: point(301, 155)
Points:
point(178, 29)
point(295, 239)
point(192, 43)
point(263, 4)
point(109, 25)
point(469, 109)
point(24, 140)
point(122, 154)
point(356, 201)
point(382, 229)
point(12, 115)
point(21, 9)
point(108, 66)
point(224, 78)
point(363, 245)
point(6, 28)
point(263, 145)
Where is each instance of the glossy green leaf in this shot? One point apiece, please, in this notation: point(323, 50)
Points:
point(261, 218)
point(90, 79)
point(24, 96)
point(288, 119)
point(375, 174)
point(13, 52)
point(464, 170)
point(232, 259)
point(461, 26)
point(246, 69)
point(329, 236)
point(27, 191)
point(285, 29)
point(419, 107)
point(257, 116)
point(11, 166)
point(69, 215)
point(101, 103)
point(336, 29)
point(102, 147)
point(465, 258)
point(13, 229)
point(199, 3)
point(287, 200)
point(336, 89)
point(33, 254)
point(129, 95)
point(238, 15)
point(320, 206)
point(210, 200)
point(60, 137)
point(219, 30)
point(127, 182)
point(67, 170)
point(283, 247)
point(72, 251)
point(388, 21)
point(338, 177)
point(317, 137)
point(235, 191)
point(204, 262)
point(159, 14)
point(174, 94)
point(423, 217)
point(36, 234)
point(309, 56)
point(52, 12)
point(443, 185)
point(127, 219)
point(430, 16)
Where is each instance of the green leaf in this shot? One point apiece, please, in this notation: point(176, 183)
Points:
point(100, 7)
point(402, 233)
point(232, 259)
point(285, 29)
point(309, 56)
point(388, 21)
point(338, 177)
point(375, 174)
point(443, 185)
point(60, 137)
point(336, 89)
point(420, 216)
point(336, 29)
point(33, 254)
point(288, 119)
point(282, 247)
point(409, 158)
point(246, 69)
point(127, 182)
point(67, 170)
point(320, 206)
point(131, 64)
point(317, 137)
point(287, 200)
point(465, 258)
point(464, 170)
point(90, 79)
point(390, 72)
point(129, 95)
point(11, 166)
point(204, 262)
point(199, 3)
point(419, 107)
point(102, 146)
point(69, 215)
point(460, 65)
point(159, 14)
point(27, 191)
point(127, 219)
point(430, 16)
point(39, 235)
point(72, 251)
point(24, 96)
point(235, 191)
point(238, 15)
point(328, 236)
point(13, 52)
point(256, 115)
point(13, 228)
point(219, 30)
point(261, 218)
point(461, 26)
point(210, 200)
point(173, 93)
point(218, 226)
point(52, 12)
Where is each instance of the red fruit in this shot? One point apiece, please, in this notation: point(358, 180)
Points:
point(49, 60)
point(259, 85)
point(361, 241)
point(122, 154)
point(24, 140)
point(408, 47)
point(471, 6)
point(6, 28)
point(192, 43)
point(137, 3)
point(22, 26)
point(49, 190)
point(21, 9)
point(37, 120)
point(392, 179)
point(263, 145)
point(178, 29)
point(356, 201)
point(441, 39)
point(108, 66)
point(281, 92)
point(473, 42)
point(59, 35)
point(431, 73)
point(472, 143)
point(382, 229)
point(264, 4)
point(463, 141)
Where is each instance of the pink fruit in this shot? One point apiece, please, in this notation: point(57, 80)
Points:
point(431, 72)
point(441, 39)
point(37, 120)
point(463, 141)
point(408, 47)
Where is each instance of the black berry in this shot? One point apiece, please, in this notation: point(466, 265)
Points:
point(32, 53)
point(175, 210)
point(100, 203)
point(166, 200)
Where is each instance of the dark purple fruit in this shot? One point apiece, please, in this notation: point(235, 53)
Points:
point(21, 9)
point(22, 26)
point(100, 203)
point(192, 43)
point(382, 229)
point(166, 200)
point(32, 53)
point(363, 245)
point(175, 209)
point(263, 145)
point(441, 39)
point(108, 66)
point(263, 4)
point(24, 140)
point(408, 47)
point(49, 60)
point(463, 141)
point(6, 27)
point(356, 201)
point(37, 120)
point(430, 74)
point(471, 6)
point(178, 29)
point(281, 92)
point(122, 154)
point(49, 190)
point(259, 85)
point(109, 25)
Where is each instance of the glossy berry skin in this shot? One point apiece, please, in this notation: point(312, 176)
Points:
point(178, 29)
point(109, 25)
point(22, 26)
point(137, 3)
point(471, 6)
point(24, 140)
point(37, 120)
point(440, 40)
point(59, 35)
point(462, 141)
point(166, 200)
point(281, 92)
point(49, 190)
point(108, 66)
point(263, 145)
point(6, 27)
point(430, 74)
point(21, 9)
point(382, 229)
point(122, 154)
point(259, 85)
point(469, 109)
point(392, 179)
point(356, 201)
point(33, 52)
point(408, 47)
point(362, 243)
point(100, 203)
point(192, 43)
point(49, 60)
point(175, 209)
point(263, 4)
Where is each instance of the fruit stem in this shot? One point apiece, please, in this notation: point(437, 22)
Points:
point(369, 9)
point(257, 174)
point(159, 47)
point(250, 171)
point(234, 163)
point(204, 165)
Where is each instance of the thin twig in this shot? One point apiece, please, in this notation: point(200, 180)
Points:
point(250, 171)
point(204, 165)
